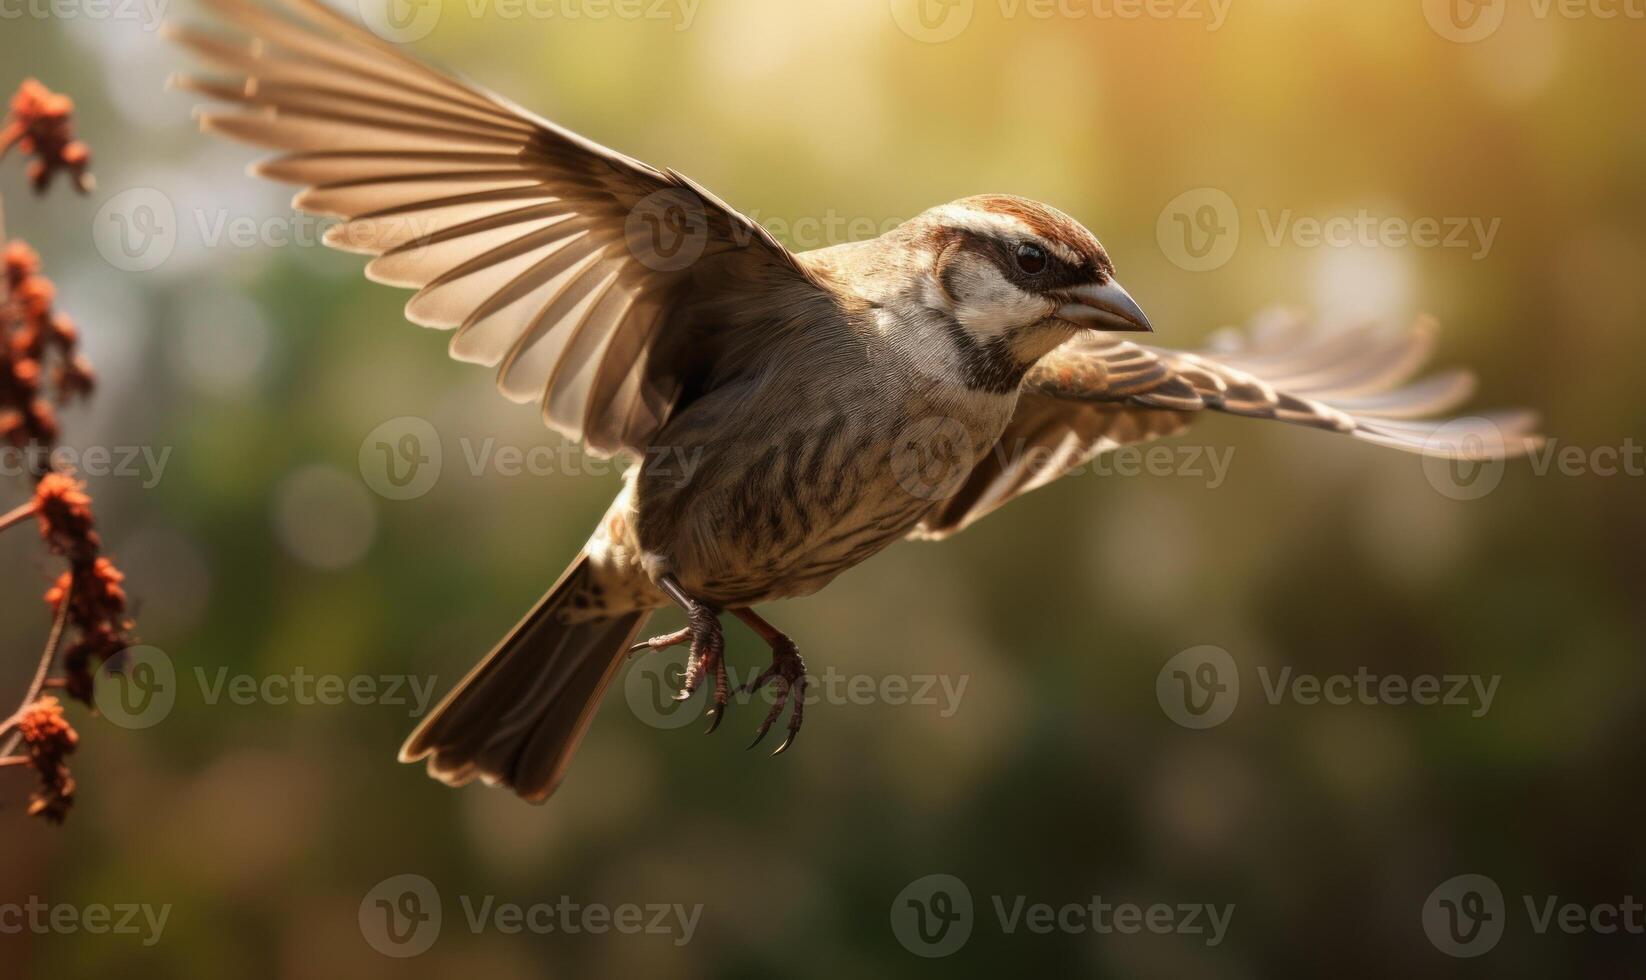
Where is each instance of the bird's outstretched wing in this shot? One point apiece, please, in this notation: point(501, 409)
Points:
point(571, 268)
point(1098, 392)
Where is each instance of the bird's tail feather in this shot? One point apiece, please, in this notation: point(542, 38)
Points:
point(517, 718)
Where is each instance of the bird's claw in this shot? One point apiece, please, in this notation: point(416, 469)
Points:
point(707, 655)
point(663, 642)
point(716, 715)
point(788, 672)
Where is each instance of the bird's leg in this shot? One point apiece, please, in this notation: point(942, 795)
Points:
point(787, 671)
point(707, 653)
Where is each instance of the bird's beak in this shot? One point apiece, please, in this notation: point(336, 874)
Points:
point(1105, 307)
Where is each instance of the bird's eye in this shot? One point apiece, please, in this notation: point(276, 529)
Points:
point(1031, 258)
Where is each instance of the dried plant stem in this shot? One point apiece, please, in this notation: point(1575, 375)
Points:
point(37, 685)
point(17, 516)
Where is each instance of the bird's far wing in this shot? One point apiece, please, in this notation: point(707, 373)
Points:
point(562, 263)
point(1099, 392)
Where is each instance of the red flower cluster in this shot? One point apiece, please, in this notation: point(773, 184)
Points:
point(63, 509)
point(97, 614)
point(88, 599)
point(48, 739)
point(31, 335)
point(42, 125)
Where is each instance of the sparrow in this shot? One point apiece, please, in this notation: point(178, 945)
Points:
point(834, 401)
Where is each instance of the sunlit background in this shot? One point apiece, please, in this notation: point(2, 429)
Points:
point(261, 363)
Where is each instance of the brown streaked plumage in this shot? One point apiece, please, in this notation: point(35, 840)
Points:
point(812, 393)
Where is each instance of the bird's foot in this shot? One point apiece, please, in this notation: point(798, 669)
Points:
point(707, 657)
point(788, 675)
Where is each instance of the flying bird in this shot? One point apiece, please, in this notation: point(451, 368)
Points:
point(835, 401)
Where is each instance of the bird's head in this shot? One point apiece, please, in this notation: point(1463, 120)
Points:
point(1007, 280)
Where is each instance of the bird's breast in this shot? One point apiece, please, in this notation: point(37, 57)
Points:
point(797, 487)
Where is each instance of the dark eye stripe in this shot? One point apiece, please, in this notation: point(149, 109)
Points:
point(1003, 254)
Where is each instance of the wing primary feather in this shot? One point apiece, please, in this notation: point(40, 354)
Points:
point(1098, 392)
point(509, 227)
